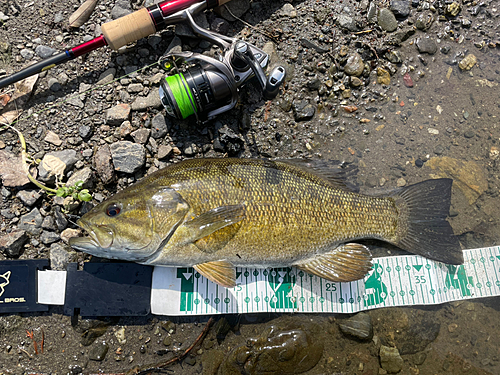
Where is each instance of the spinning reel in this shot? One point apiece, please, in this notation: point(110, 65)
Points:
point(206, 86)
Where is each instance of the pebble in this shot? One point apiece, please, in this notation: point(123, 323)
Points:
point(383, 76)
point(468, 62)
point(61, 221)
point(60, 256)
point(390, 360)
point(52, 138)
point(159, 126)
point(120, 335)
point(400, 8)
point(354, 65)
point(27, 54)
point(51, 162)
point(12, 243)
point(400, 182)
point(14, 176)
point(99, 351)
point(424, 20)
point(106, 77)
point(141, 135)
point(426, 45)
point(302, 110)
point(164, 151)
point(54, 85)
point(120, 9)
point(85, 131)
point(151, 101)
point(386, 20)
point(103, 164)
point(452, 327)
point(68, 233)
point(288, 10)
point(31, 222)
point(44, 52)
point(346, 22)
point(48, 237)
point(29, 197)
point(232, 142)
point(359, 325)
point(49, 223)
point(117, 114)
point(128, 157)
point(237, 7)
point(85, 175)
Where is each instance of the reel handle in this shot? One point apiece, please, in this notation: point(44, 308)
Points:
point(243, 58)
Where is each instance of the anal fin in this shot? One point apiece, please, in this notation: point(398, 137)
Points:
point(220, 272)
point(348, 262)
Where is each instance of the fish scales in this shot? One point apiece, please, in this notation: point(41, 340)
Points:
point(215, 214)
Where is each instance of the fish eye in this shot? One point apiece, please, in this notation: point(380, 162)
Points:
point(113, 210)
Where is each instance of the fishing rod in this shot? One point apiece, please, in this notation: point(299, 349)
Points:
point(120, 32)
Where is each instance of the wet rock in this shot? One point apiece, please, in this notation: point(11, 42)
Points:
point(386, 20)
point(407, 80)
point(221, 329)
point(141, 135)
point(453, 9)
point(84, 175)
point(99, 351)
point(159, 126)
point(354, 65)
point(302, 110)
point(191, 361)
point(390, 360)
point(128, 157)
point(468, 176)
point(60, 256)
point(31, 222)
point(117, 114)
point(12, 243)
point(360, 326)
point(103, 164)
point(48, 237)
point(232, 142)
point(151, 101)
point(56, 164)
point(426, 45)
point(52, 138)
point(286, 348)
point(29, 197)
point(120, 335)
point(394, 56)
point(383, 76)
point(237, 8)
point(400, 8)
point(424, 20)
point(468, 62)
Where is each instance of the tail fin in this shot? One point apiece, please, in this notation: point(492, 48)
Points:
point(424, 229)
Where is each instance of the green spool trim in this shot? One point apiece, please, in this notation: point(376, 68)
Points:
point(182, 94)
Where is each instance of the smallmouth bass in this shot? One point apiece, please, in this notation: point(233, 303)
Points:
point(218, 214)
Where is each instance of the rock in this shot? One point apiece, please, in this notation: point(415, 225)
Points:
point(117, 114)
point(383, 76)
point(360, 326)
point(468, 62)
point(128, 157)
point(164, 151)
point(99, 351)
point(11, 170)
point(468, 176)
point(124, 130)
point(26, 54)
point(151, 101)
point(12, 243)
point(346, 22)
point(85, 175)
point(85, 131)
point(106, 77)
point(69, 233)
point(453, 9)
point(232, 141)
point(426, 45)
point(237, 7)
point(386, 20)
point(56, 164)
point(49, 223)
point(159, 126)
point(354, 65)
point(60, 255)
point(31, 222)
point(29, 197)
point(120, 336)
point(302, 110)
point(424, 20)
point(61, 221)
point(48, 237)
point(44, 52)
point(52, 138)
point(390, 360)
point(120, 9)
point(103, 164)
point(141, 135)
point(400, 8)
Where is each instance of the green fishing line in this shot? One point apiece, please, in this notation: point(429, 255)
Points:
point(181, 94)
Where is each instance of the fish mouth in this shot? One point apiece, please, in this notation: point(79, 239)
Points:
point(99, 239)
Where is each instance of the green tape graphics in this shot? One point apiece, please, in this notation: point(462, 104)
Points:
point(393, 281)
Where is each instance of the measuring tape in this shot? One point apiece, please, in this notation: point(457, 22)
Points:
point(394, 281)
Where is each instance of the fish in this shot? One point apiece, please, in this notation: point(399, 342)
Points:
point(217, 214)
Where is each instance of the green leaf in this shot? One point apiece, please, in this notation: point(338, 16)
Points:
point(84, 196)
point(61, 192)
point(78, 185)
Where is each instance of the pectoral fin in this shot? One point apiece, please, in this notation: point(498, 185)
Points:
point(220, 272)
point(213, 220)
point(348, 262)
